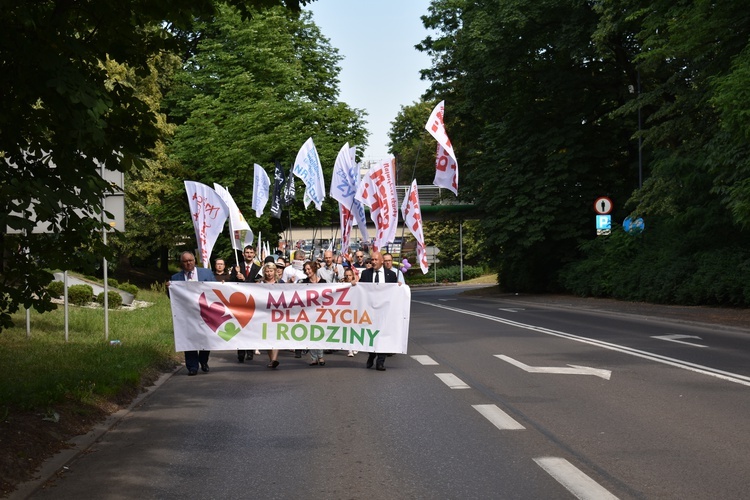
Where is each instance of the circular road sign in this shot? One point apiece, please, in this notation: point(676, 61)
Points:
point(603, 205)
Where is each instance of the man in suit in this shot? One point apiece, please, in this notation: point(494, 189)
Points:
point(191, 273)
point(377, 274)
point(247, 272)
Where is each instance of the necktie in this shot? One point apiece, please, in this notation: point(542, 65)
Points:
point(190, 275)
point(247, 270)
point(377, 276)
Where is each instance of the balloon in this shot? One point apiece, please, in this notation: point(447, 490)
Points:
point(405, 265)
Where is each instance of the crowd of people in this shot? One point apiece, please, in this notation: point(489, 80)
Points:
point(374, 268)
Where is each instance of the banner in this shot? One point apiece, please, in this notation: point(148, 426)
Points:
point(278, 184)
point(412, 215)
point(371, 317)
point(446, 164)
point(378, 191)
point(288, 193)
point(261, 185)
point(343, 189)
point(209, 212)
point(240, 230)
point(308, 168)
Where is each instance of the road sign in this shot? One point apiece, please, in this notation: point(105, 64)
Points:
point(603, 205)
point(431, 251)
point(603, 224)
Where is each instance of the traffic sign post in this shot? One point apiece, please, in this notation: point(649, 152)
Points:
point(603, 205)
point(431, 253)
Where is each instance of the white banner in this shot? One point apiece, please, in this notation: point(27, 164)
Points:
point(209, 212)
point(378, 191)
point(436, 127)
point(371, 317)
point(261, 187)
point(242, 235)
point(413, 219)
point(308, 168)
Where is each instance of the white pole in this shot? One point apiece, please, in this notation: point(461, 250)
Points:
point(65, 302)
point(461, 246)
point(104, 262)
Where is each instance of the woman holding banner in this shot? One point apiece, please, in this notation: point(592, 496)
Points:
point(310, 268)
point(268, 273)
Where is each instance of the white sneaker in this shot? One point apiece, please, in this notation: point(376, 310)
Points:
point(350, 354)
point(257, 351)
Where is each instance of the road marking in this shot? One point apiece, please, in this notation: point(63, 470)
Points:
point(685, 365)
point(575, 481)
point(446, 300)
point(675, 338)
point(425, 360)
point(572, 370)
point(452, 381)
point(511, 310)
point(498, 418)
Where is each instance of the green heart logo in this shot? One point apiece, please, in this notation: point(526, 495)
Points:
point(229, 331)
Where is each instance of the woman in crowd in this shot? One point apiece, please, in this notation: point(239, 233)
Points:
point(310, 268)
point(350, 277)
point(269, 277)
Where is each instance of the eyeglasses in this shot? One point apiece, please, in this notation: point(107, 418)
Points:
point(188, 260)
point(359, 255)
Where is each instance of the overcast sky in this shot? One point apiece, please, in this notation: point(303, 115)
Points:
point(380, 70)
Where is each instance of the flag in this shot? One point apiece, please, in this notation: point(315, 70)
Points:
point(261, 185)
point(278, 184)
point(209, 212)
point(343, 189)
point(308, 168)
point(288, 195)
point(446, 164)
point(240, 230)
point(412, 215)
point(378, 191)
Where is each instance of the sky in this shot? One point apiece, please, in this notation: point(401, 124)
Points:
point(380, 69)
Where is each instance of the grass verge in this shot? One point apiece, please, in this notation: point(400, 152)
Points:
point(52, 390)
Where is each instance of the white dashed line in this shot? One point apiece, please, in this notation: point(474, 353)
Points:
point(452, 381)
point(575, 481)
point(425, 360)
point(498, 418)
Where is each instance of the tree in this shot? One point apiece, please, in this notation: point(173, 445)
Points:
point(61, 112)
point(252, 92)
point(528, 104)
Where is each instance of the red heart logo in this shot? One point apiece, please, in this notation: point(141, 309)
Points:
point(242, 307)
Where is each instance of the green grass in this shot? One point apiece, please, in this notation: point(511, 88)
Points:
point(44, 370)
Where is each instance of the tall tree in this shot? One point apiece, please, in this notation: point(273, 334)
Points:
point(252, 92)
point(530, 99)
point(60, 112)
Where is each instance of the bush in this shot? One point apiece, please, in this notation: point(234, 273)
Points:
point(80, 295)
point(130, 288)
point(56, 289)
point(113, 283)
point(450, 274)
point(114, 299)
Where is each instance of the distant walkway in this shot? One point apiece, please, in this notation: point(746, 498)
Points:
point(127, 298)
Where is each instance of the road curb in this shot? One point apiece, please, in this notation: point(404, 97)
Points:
point(81, 443)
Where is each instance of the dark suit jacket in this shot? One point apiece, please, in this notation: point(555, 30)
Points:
point(368, 275)
point(254, 270)
point(203, 275)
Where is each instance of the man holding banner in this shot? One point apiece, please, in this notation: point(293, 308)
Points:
point(377, 274)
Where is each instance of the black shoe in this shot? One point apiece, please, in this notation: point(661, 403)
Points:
point(192, 372)
point(369, 363)
point(298, 353)
point(204, 367)
point(380, 367)
point(240, 360)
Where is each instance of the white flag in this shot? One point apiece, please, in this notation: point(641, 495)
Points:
point(412, 215)
point(209, 212)
point(261, 186)
point(446, 170)
point(308, 168)
point(342, 187)
point(446, 164)
point(242, 235)
point(378, 191)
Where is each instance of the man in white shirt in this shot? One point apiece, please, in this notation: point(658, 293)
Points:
point(293, 272)
point(388, 264)
point(330, 271)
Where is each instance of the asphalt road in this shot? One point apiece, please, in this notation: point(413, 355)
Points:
point(497, 398)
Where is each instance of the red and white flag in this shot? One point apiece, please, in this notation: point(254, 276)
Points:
point(446, 164)
point(413, 219)
point(209, 212)
point(378, 191)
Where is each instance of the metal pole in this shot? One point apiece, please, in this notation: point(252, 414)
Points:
point(104, 263)
point(65, 302)
point(640, 139)
point(461, 246)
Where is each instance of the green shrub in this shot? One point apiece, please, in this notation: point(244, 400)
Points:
point(130, 288)
point(113, 283)
point(114, 299)
point(56, 289)
point(80, 295)
point(450, 274)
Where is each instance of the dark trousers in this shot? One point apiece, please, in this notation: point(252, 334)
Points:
point(241, 353)
point(380, 356)
point(193, 358)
